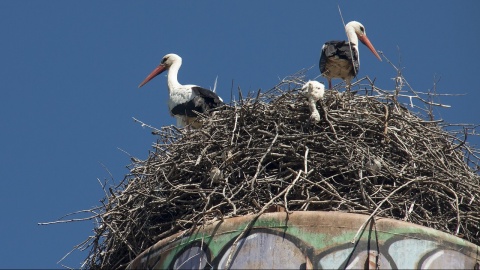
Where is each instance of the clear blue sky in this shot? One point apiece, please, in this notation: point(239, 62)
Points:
point(70, 70)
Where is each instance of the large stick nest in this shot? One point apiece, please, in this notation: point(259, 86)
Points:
point(367, 155)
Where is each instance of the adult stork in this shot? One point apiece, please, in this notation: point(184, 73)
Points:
point(184, 100)
point(341, 59)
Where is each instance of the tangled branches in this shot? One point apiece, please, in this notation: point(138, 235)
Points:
point(368, 154)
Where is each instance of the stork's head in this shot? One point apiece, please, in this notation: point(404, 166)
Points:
point(314, 90)
point(357, 27)
point(167, 61)
point(361, 33)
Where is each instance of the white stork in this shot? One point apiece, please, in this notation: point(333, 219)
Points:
point(341, 59)
point(184, 99)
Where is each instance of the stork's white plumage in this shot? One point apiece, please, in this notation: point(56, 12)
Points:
point(314, 91)
point(341, 59)
point(184, 99)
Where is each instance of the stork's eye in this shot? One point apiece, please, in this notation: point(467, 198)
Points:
point(163, 60)
point(362, 29)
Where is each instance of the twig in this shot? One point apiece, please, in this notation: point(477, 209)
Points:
point(378, 207)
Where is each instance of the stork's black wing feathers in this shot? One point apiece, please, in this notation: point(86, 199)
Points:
point(203, 101)
point(339, 49)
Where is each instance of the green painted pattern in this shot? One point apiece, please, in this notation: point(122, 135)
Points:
point(308, 234)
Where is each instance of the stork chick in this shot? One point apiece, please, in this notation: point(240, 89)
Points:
point(314, 91)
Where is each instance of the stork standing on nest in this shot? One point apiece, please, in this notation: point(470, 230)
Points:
point(341, 59)
point(184, 100)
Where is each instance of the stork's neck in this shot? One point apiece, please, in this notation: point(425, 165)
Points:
point(172, 78)
point(353, 39)
point(352, 36)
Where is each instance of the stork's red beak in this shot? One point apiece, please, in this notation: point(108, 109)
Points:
point(161, 68)
point(367, 43)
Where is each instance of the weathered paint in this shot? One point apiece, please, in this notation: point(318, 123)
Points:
point(320, 240)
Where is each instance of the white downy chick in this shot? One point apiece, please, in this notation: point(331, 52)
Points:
point(314, 91)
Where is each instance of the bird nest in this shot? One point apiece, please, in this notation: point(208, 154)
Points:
point(368, 154)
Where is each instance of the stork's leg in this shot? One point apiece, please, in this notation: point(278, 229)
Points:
point(348, 84)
